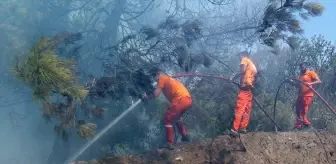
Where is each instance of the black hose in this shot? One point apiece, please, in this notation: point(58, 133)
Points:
point(300, 82)
point(262, 109)
point(318, 95)
point(226, 79)
point(275, 102)
point(325, 102)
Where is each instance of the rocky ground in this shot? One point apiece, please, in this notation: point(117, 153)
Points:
point(251, 148)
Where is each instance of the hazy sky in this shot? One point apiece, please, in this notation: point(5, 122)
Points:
point(325, 24)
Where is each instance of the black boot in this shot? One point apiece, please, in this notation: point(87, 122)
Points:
point(296, 129)
point(170, 146)
point(242, 131)
point(233, 133)
point(307, 128)
point(186, 138)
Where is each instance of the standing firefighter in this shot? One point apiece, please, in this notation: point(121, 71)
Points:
point(305, 95)
point(180, 101)
point(244, 99)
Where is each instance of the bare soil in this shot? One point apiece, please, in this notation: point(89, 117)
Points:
point(251, 148)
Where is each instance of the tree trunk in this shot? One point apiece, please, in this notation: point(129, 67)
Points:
point(110, 33)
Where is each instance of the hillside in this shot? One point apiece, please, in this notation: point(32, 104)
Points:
point(252, 148)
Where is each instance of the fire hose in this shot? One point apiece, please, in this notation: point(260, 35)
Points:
point(299, 82)
point(211, 76)
point(276, 97)
point(226, 79)
point(318, 95)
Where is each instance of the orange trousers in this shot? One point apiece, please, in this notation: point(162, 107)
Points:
point(174, 113)
point(302, 108)
point(243, 110)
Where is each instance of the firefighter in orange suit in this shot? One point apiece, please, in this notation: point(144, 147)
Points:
point(180, 101)
point(305, 95)
point(244, 99)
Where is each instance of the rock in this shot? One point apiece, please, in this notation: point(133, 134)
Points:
point(179, 158)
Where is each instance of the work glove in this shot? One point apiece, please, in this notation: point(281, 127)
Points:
point(293, 82)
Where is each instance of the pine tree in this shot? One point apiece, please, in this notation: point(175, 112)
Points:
point(48, 75)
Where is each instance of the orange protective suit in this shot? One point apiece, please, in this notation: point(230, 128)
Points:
point(245, 96)
point(304, 99)
point(180, 100)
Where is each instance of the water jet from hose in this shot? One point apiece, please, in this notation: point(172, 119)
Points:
point(102, 132)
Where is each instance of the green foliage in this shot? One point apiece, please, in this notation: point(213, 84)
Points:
point(87, 130)
point(280, 22)
point(46, 73)
point(313, 9)
point(214, 102)
point(319, 53)
point(285, 116)
point(170, 43)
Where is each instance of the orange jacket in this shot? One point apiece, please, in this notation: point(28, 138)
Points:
point(308, 77)
point(172, 88)
point(249, 75)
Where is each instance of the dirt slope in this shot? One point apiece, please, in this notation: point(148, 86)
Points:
point(251, 148)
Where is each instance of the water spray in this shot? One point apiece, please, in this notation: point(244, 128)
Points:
point(110, 125)
point(102, 132)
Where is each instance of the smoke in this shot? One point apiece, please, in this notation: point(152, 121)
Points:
point(25, 138)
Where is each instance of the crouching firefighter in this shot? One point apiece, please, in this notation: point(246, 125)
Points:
point(245, 95)
point(305, 96)
point(180, 101)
